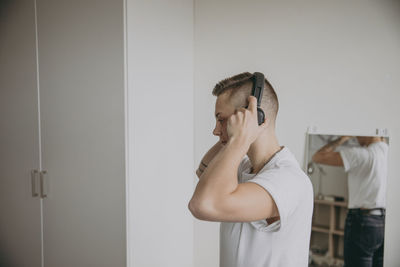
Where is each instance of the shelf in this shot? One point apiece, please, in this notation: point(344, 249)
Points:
point(338, 232)
point(328, 222)
point(333, 203)
point(339, 260)
point(320, 229)
point(324, 258)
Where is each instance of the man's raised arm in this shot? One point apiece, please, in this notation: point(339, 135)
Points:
point(208, 157)
point(218, 195)
point(327, 155)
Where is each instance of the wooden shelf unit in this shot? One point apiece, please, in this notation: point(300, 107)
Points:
point(328, 222)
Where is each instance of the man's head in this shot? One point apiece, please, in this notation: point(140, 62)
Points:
point(232, 93)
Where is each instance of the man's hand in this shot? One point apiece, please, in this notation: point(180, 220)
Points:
point(343, 139)
point(243, 124)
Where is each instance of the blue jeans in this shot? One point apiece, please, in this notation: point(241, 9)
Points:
point(363, 239)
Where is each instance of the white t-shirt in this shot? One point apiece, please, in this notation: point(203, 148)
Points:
point(367, 175)
point(284, 243)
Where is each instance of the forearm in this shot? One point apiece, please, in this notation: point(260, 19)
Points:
point(208, 157)
point(220, 177)
point(327, 154)
point(331, 146)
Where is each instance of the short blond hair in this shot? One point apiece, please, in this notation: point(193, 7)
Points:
point(239, 89)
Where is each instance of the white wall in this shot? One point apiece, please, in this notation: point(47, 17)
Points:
point(334, 64)
point(160, 132)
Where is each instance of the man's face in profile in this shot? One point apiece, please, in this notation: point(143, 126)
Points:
point(223, 110)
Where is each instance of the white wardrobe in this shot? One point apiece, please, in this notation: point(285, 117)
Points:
point(96, 139)
point(62, 112)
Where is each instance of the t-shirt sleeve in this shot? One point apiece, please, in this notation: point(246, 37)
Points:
point(352, 157)
point(288, 190)
point(241, 167)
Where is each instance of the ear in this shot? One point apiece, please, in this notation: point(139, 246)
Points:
point(265, 124)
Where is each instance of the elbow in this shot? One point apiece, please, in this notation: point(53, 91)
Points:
point(316, 158)
point(201, 209)
point(193, 208)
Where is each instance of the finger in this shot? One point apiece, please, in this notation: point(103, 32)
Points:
point(231, 119)
point(243, 110)
point(252, 104)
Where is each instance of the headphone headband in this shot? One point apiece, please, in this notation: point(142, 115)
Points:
point(258, 87)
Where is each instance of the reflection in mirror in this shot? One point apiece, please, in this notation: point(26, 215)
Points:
point(349, 177)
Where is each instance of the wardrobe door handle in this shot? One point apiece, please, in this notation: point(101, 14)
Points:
point(43, 186)
point(34, 174)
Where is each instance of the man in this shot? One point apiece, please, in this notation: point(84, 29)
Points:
point(367, 173)
point(264, 200)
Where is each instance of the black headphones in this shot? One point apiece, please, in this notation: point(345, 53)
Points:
point(257, 91)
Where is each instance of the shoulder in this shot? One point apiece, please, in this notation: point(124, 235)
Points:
point(289, 186)
point(381, 146)
point(286, 171)
point(354, 152)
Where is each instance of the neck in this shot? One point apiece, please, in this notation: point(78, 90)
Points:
point(374, 140)
point(262, 150)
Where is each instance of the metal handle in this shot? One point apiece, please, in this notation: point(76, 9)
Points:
point(33, 181)
point(43, 186)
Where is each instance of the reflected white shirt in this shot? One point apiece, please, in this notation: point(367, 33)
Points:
point(367, 175)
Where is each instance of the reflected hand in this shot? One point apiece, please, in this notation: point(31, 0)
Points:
point(345, 138)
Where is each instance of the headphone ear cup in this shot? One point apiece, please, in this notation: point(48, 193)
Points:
point(261, 116)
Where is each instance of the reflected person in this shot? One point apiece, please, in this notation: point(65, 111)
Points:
point(251, 184)
point(366, 166)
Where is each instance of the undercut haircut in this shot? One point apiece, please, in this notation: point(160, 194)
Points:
point(239, 89)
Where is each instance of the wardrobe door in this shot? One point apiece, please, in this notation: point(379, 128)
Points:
point(20, 223)
point(82, 117)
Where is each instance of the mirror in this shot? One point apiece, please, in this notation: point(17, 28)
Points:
point(349, 175)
